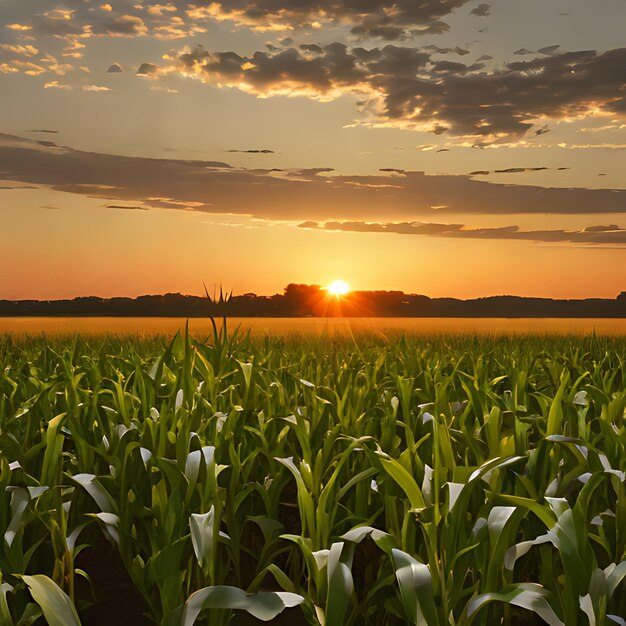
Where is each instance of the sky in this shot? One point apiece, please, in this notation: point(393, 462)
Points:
point(443, 147)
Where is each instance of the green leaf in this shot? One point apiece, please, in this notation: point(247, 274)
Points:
point(416, 589)
point(54, 602)
point(19, 502)
point(529, 596)
point(246, 369)
point(340, 583)
point(555, 415)
point(305, 501)
point(383, 540)
point(404, 480)
point(53, 450)
point(543, 512)
point(5, 614)
point(202, 527)
point(614, 576)
point(92, 486)
point(264, 605)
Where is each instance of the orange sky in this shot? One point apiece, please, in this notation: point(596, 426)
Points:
point(450, 148)
point(86, 249)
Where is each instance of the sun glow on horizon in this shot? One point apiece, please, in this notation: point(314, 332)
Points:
point(338, 288)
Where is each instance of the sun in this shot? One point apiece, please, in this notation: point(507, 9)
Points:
point(338, 288)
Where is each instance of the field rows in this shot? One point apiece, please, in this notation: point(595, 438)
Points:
point(430, 481)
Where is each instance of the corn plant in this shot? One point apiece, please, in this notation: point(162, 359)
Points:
point(428, 481)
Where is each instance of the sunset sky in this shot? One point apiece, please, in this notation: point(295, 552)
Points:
point(444, 147)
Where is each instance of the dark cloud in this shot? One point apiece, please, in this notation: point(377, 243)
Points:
point(523, 52)
point(515, 170)
point(147, 69)
point(265, 70)
point(549, 49)
point(312, 47)
point(439, 50)
point(56, 24)
point(121, 26)
point(602, 229)
point(450, 67)
point(386, 19)
point(482, 10)
point(408, 88)
point(612, 234)
point(76, 20)
point(116, 68)
point(130, 208)
point(302, 194)
point(44, 130)
point(261, 151)
point(519, 170)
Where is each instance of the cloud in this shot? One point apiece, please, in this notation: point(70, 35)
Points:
point(95, 88)
point(401, 87)
point(517, 170)
point(121, 26)
point(26, 50)
point(54, 84)
point(298, 194)
point(312, 47)
point(147, 69)
point(261, 151)
point(44, 63)
point(439, 50)
point(602, 235)
point(57, 23)
point(405, 87)
point(386, 19)
point(284, 71)
point(160, 89)
point(19, 27)
point(549, 49)
point(131, 208)
point(44, 130)
point(79, 19)
point(599, 129)
point(514, 170)
point(482, 10)
point(16, 66)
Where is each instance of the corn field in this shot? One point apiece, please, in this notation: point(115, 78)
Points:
point(422, 481)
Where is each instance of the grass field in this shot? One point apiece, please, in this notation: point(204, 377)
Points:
point(428, 481)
